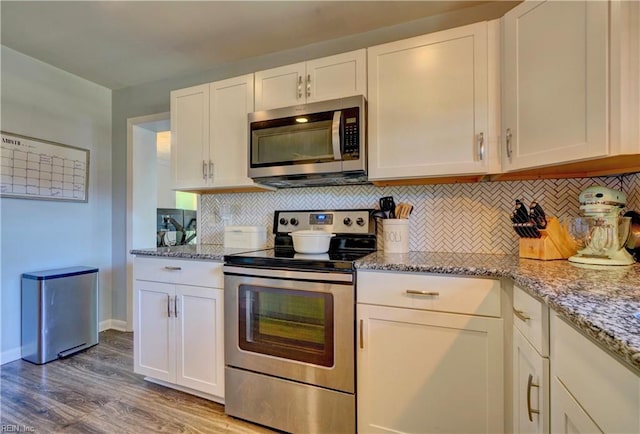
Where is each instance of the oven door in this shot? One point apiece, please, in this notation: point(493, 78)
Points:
point(293, 328)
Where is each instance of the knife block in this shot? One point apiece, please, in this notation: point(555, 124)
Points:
point(555, 243)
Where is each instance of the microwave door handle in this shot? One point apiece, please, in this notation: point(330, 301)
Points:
point(335, 135)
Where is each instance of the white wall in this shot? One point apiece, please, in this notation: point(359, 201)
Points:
point(44, 102)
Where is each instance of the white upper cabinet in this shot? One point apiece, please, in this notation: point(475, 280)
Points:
point(231, 101)
point(433, 104)
point(566, 82)
point(209, 134)
point(190, 136)
point(316, 80)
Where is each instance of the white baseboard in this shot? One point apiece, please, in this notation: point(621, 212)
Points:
point(113, 324)
point(10, 355)
point(16, 353)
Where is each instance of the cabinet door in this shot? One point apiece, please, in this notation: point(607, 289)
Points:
point(154, 351)
point(567, 416)
point(231, 101)
point(428, 105)
point(280, 87)
point(190, 136)
point(199, 339)
point(424, 372)
point(530, 388)
point(336, 76)
point(554, 83)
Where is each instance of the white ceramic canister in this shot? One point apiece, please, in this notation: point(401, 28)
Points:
point(396, 235)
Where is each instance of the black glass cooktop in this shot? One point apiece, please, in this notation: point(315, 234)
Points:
point(289, 259)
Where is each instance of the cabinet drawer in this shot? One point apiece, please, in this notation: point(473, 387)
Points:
point(185, 272)
point(531, 317)
point(467, 295)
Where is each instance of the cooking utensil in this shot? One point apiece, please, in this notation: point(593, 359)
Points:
point(403, 210)
point(311, 241)
point(388, 205)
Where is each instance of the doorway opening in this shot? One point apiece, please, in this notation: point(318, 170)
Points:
point(156, 214)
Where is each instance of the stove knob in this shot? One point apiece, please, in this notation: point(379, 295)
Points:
point(284, 221)
point(294, 221)
point(360, 221)
point(347, 221)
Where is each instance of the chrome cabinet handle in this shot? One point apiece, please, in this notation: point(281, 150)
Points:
point(210, 169)
point(175, 306)
point(509, 138)
point(204, 170)
point(521, 315)
point(308, 85)
point(481, 146)
point(427, 293)
point(361, 334)
point(299, 86)
point(531, 411)
point(171, 268)
point(168, 306)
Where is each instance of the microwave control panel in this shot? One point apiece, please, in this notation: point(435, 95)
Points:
point(351, 142)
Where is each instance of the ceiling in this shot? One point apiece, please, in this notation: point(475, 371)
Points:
point(124, 43)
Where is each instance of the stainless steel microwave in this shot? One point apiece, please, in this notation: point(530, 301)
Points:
point(322, 143)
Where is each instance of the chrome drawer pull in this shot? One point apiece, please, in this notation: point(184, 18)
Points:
point(427, 293)
point(530, 411)
point(170, 268)
point(521, 315)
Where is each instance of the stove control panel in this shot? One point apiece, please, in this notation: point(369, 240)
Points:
point(357, 221)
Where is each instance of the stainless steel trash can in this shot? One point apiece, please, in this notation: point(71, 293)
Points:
point(59, 313)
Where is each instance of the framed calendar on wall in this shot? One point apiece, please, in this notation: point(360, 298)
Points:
point(39, 169)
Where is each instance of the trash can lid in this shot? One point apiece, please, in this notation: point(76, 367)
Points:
point(59, 272)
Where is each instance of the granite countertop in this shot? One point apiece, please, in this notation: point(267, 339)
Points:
point(208, 252)
point(603, 302)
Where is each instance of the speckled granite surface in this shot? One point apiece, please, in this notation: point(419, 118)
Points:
point(601, 302)
point(209, 252)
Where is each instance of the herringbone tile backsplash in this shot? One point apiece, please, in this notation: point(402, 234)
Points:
point(465, 218)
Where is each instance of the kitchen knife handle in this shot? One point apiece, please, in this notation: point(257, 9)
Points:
point(481, 146)
point(509, 137)
point(299, 86)
point(308, 85)
point(419, 292)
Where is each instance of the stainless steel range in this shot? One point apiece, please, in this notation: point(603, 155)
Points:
point(290, 325)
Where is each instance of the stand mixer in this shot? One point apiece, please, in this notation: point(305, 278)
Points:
point(601, 231)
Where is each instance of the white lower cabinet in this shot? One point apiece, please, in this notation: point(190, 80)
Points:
point(422, 370)
point(178, 336)
point(591, 392)
point(530, 364)
point(530, 388)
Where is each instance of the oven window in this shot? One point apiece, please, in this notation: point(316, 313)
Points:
point(295, 325)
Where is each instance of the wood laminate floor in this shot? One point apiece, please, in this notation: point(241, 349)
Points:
point(97, 392)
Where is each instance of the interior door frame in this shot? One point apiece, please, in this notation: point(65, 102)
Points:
point(156, 122)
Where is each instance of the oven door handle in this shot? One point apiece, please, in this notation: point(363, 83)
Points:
point(272, 273)
point(335, 135)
